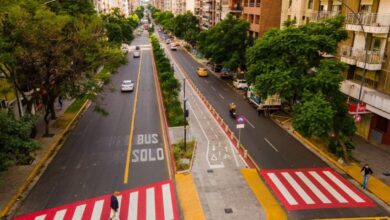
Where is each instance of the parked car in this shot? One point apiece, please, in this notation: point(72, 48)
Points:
point(226, 73)
point(127, 86)
point(137, 48)
point(201, 71)
point(240, 84)
point(136, 54)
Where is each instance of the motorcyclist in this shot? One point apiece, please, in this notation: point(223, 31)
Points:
point(232, 109)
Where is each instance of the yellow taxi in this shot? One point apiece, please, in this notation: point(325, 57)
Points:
point(201, 71)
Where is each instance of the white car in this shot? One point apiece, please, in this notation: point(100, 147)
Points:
point(136, 54)
point(127, 86)
point(173, 46)
point(240, 84)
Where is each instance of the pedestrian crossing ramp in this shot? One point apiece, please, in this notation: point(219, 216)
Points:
point(314, 188)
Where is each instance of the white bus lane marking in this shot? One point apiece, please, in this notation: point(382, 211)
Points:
point(147, 153)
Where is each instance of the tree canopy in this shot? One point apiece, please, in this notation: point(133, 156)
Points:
point(119, 28)
point(226, 42)
point(52, 54)
point(290, 62)
point(186, 26)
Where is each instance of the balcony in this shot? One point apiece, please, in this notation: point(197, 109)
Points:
point(372, 22)
point(236, 9)
point(376, 101)
point(357, 56)
point(322, 15)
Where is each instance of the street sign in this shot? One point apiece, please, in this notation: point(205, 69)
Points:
point(239, 126)
point(241, 119)
point(357, 117)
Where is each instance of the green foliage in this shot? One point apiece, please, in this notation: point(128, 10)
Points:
point(170, 86)
point(16, 145)
point(165, 18)
point(139, 11)
point(314, 116)
point(186, 26)
point(72, 7)
point(289, 62)
point(179, 152)
point(119, 28)
point(226, 42)
point(55, 51)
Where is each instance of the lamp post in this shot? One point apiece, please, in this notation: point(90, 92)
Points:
point(185, 114)
point(359, 19)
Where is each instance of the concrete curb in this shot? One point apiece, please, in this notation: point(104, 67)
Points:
point(375, 186)
point(41, 164)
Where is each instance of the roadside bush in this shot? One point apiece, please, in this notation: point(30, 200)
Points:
point(180, 153)
point(170, 86)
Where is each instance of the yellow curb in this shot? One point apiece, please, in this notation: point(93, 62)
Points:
point(360, 218)
point(376, 186)
point(40, 165)
point(271, 206)
point(188, 197)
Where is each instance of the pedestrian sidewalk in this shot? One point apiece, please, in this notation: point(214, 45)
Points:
point(378, 158)
point(17, 180)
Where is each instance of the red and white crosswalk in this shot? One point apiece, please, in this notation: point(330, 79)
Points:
point(151, 202)
point(314, 188)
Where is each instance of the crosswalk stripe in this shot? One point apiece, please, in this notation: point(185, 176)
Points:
point(133, 206)
point(282, 189)
point(312, 187)
point(330, 189)
point(298, 188)
point(150, 204)
point(119, 203)
point(78, 214)
point(60, 214)
point(347, 190)
point(41, 217)
point(167, 201)
point(97, 209)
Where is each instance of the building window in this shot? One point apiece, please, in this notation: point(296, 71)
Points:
point(382, 124)
point(289, 3)
point(365, 9)
point(310, 4)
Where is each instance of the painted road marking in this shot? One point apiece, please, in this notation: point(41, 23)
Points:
point(147, 139)
point(168, 209)
point(212, 87)
point(314, 188)
point(78, 213)
point(133, 207)
point(60, 215)
point(221, 96)
point(266, 140)
point(150, 206)
point(147, 155)
point(250, 123)
point(152, 202)
point(282, 189)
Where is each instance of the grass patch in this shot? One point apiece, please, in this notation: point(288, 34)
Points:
point(76, 105)
point(180, 153)
point(170, 86)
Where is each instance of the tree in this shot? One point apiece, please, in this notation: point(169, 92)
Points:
point(139, 11)
point(289, 62)
point(119, 28)
point(72, 8)
point(15, 143)
point(165, 18)
point(53, 54)
point(226, 42)
point(186, 26)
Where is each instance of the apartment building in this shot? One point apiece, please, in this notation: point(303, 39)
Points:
point(105, 6)
point(167, 5)
point(367, 23)
point(261, 14)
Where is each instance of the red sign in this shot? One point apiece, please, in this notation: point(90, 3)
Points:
point(357, 108)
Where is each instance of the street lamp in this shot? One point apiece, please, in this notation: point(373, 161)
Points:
point(359, 19)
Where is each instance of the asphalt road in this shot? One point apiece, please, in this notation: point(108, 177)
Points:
point(269, 145)
point(92, 161)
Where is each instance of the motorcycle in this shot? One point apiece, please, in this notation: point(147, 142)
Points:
point(232, 110)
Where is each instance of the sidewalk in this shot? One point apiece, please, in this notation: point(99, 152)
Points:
point(222, 189)
point(376, 157)
point(19, 179)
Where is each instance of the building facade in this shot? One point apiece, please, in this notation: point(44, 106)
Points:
point(367, 23)
point(261, 14)
point(105, 6)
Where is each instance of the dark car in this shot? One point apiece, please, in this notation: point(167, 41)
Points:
point(226, 73)
point(136, 47)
